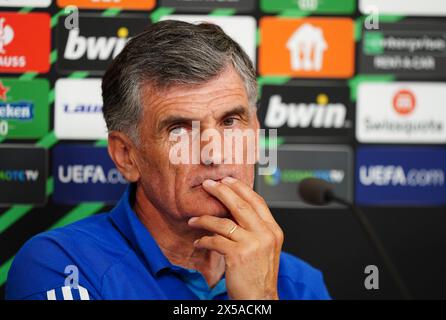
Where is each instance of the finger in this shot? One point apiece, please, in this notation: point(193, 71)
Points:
point(257, 203)
point(253, 198)
point(222, 245)
point(222, 226)
point(242, 212)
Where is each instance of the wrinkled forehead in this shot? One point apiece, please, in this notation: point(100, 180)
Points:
point(211, 99)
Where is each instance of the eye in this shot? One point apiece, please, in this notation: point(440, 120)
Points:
point(229, 121)
point(178, 131)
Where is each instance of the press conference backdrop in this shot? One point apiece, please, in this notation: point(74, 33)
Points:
point(358, 100)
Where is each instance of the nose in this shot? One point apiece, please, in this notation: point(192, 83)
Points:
point(212, 146)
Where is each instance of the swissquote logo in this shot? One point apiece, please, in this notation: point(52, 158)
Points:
point(101, 39)
point(307, 47)
point(404, 102)
point(401, 112)
point(307, 110)
point(20, 52)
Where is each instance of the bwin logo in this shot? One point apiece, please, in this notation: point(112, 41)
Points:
point(321, 114)
point(101, 48)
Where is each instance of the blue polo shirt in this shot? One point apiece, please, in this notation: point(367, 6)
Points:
point(113, 256)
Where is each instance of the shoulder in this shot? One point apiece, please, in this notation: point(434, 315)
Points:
point(300, 280)
point(82, 251)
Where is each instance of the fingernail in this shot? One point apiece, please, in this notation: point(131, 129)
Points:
point(196, 242)
point(209, 183)
point(192, 220)
point(228, 180)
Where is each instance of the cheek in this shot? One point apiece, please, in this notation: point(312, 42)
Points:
point(183, 177)
point(155, 167)
point(245, 173)
point(157, 153)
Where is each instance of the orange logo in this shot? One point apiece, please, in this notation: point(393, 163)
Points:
point(104, 4)
point(307, 47)
point(404, 102)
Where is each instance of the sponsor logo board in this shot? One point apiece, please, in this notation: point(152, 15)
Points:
point(401, 112)
point(105, 4)
point(23, 175)
point(85, 174)
point(310, 6)
point(19, 51)
point(23, 108)
point(208, 5)
point(400, 176)
point(25, 3)
point(307, 47)
point(93, 47)
point(79, 116)
point(308, 111)
point(332, 163)
point(408, 48)
point(404, 7)
point(231, 26)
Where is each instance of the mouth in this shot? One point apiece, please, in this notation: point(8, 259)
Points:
point(199, 181)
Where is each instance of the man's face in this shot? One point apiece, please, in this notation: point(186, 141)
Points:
point(219, 104)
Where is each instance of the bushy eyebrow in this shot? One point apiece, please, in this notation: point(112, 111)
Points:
point(167, 122)
point(237, 111)
point(171, 120)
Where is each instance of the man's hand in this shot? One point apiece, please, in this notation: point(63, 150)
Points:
point(251, 245)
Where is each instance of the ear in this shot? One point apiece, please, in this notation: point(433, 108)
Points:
point(124, 154)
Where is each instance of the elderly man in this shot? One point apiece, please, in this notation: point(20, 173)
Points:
point(181, 230)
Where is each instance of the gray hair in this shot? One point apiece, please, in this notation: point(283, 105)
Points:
point(169, 53)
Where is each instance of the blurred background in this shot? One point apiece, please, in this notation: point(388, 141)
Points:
point(355, 89)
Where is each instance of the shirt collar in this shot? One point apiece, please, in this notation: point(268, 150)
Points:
point(137, 234)
point(198, 285)
point(143, 243)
